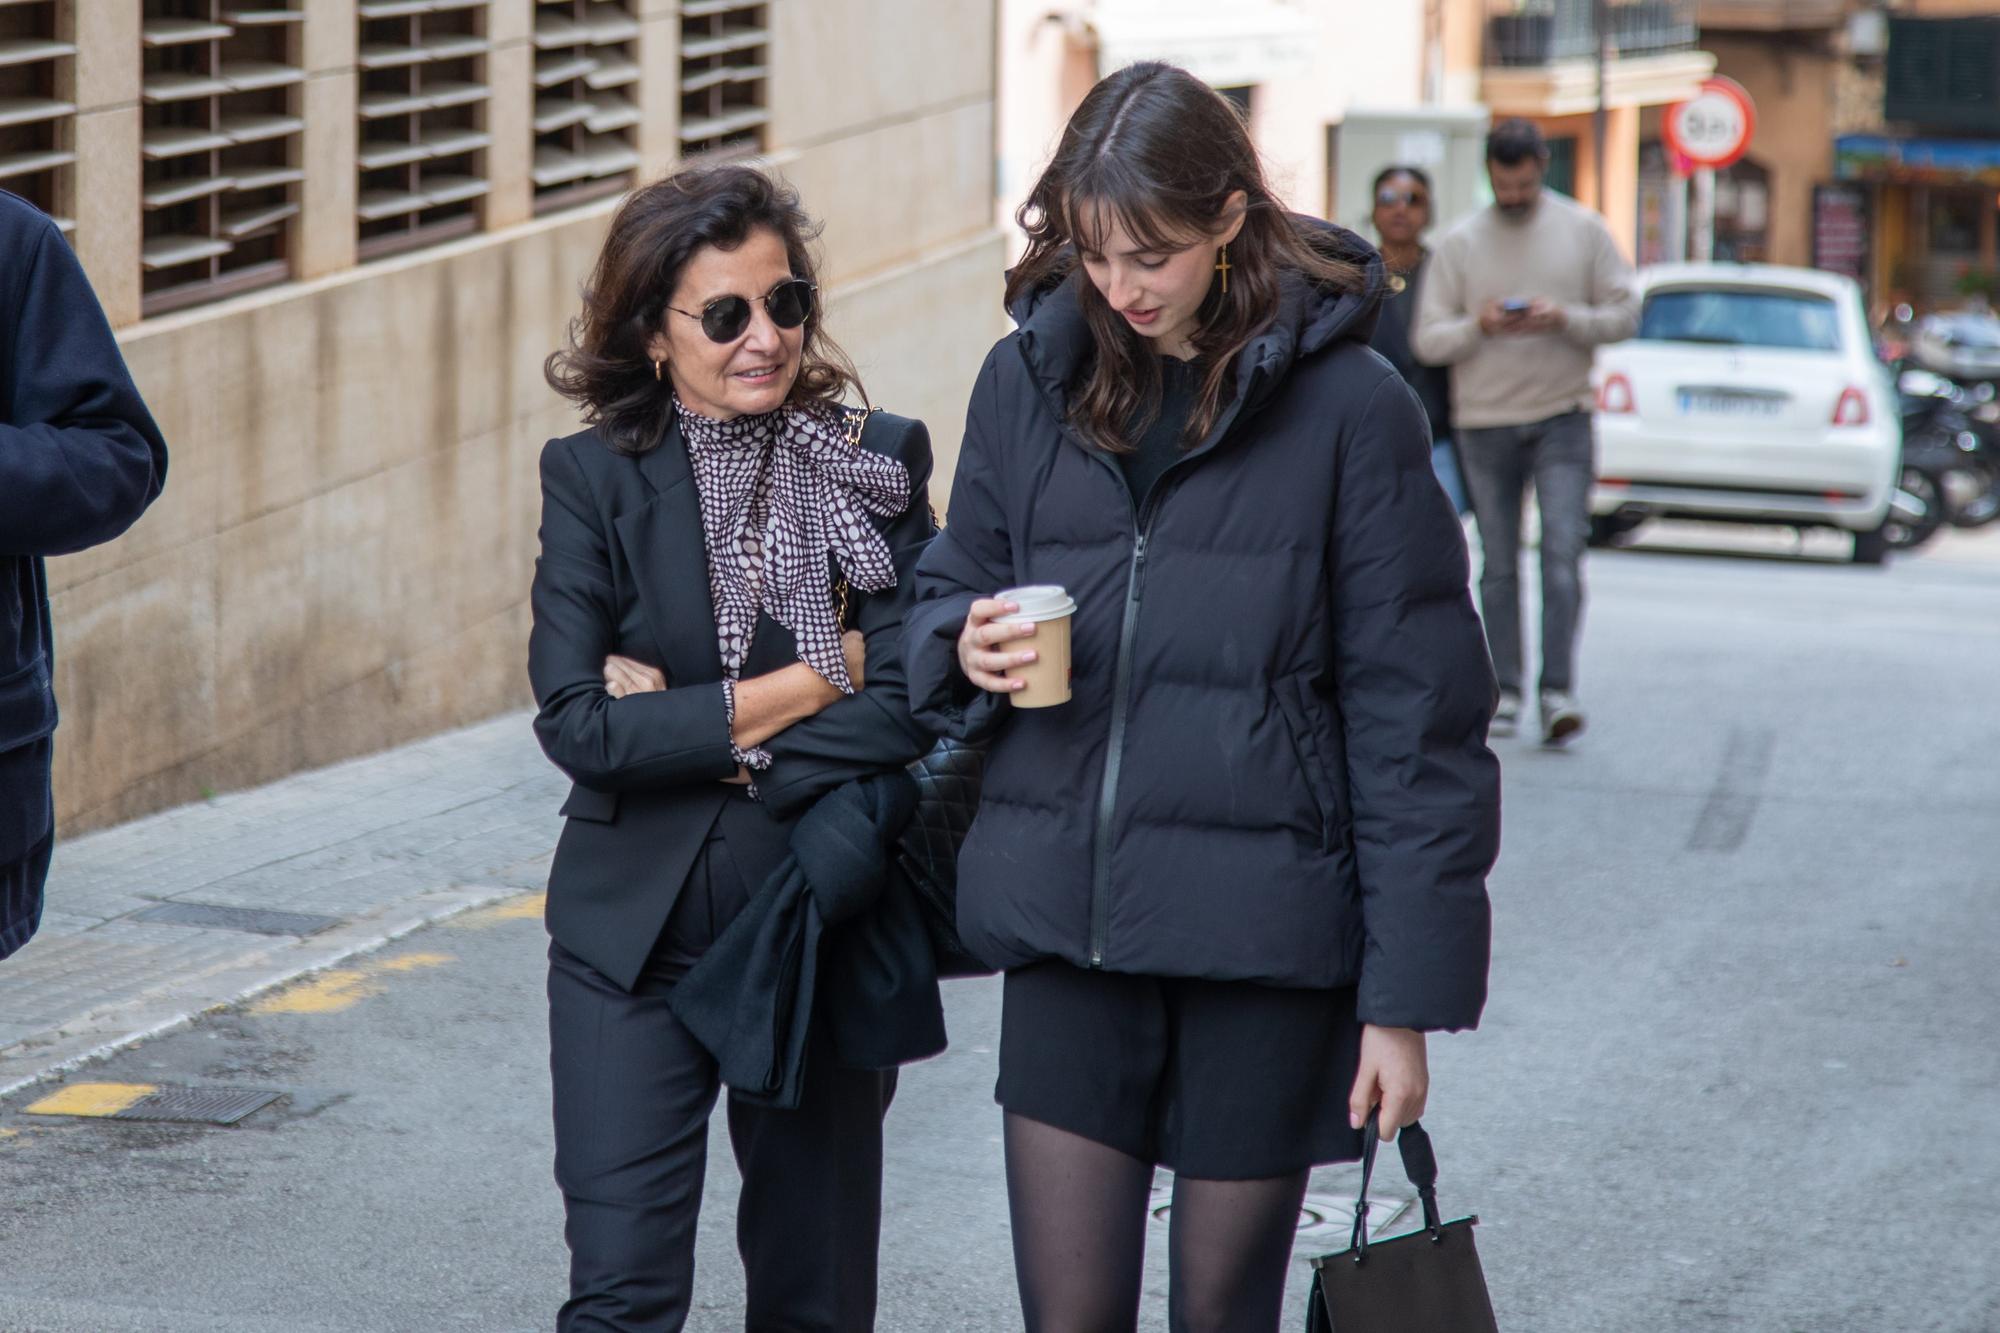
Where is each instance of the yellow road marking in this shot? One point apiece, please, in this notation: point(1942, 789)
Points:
point(10, 1133)
point(327, 993)
point(343, 987)
point(527, 907)
point(92, 1099)
point(410, 962)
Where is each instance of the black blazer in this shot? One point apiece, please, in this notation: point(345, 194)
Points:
point(624, 569)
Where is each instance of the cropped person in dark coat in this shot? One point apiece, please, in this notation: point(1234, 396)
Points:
point(1237, 878)
point(1402, 214)
point(695, 681)
point(80, 459)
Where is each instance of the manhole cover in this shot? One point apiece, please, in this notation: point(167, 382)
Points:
point(145, 1101)
point(253, 920)
point(1321, 1216)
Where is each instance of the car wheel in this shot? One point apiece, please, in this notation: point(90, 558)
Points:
point(1871, 548)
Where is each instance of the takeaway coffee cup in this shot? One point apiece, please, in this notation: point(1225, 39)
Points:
point(1049, 610)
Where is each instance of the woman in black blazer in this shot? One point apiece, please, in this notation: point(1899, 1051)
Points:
point(698, 682)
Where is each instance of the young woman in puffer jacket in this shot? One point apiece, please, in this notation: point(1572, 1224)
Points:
point(1237, 878)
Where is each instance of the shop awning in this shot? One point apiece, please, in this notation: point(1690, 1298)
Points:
point(1228, 46)
point(1917, 161)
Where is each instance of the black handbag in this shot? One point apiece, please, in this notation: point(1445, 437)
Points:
point(948, 781)
point(947, 799)
point(1426, 1282)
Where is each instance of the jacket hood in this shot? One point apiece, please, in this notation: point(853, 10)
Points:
point(1056, 340)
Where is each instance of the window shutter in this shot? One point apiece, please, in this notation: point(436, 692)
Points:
point(586, 115)
point(724, 69)
point(37, 117)
point(220, 146)
point(423, 133)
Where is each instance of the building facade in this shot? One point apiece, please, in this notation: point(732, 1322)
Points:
point(1294, 67)
point(338, 239)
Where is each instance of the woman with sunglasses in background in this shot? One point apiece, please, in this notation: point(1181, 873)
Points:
point(699, 684)
point(1402, 215)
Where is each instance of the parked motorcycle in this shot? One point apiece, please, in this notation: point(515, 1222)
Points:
point(1955, 432)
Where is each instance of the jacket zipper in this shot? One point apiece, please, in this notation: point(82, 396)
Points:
point(1121, 686)
point(1114, 754)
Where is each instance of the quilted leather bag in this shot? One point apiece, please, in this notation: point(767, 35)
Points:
point(948, 781)
point(947, 799)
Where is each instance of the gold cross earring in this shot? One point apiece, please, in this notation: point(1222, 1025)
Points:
point(1222, 266)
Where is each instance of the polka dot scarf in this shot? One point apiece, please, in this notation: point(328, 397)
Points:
point(780, 493)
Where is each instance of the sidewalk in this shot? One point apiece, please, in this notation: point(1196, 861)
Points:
point(154, 922)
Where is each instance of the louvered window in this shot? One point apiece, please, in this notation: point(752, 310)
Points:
point(1943, 75)
point(423, 121)
point(586, 104)
point(37, 117)
point(724, 66)
point(221, 146)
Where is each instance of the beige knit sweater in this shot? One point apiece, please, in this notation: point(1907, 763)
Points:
point(1562, 251)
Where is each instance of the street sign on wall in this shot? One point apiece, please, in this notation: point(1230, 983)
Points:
point(1713, 128)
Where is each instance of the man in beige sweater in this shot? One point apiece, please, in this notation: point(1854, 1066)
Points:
point(1515, 299)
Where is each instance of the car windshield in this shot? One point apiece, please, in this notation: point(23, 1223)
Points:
point(1793, 320)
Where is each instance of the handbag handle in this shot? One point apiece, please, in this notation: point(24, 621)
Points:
point(1419, 1164)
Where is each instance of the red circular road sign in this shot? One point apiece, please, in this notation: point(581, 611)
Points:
point(1714, 128)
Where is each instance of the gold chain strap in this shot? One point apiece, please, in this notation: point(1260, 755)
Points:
point(857, 424)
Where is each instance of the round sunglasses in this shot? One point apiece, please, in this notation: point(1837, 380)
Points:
point(726, 318)
point(1390, 198)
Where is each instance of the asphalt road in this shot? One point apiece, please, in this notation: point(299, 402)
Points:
point(1741, 1067)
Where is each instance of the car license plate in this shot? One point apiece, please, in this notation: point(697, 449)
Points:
point(1728, 403)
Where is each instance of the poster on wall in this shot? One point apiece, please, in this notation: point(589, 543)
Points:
point(1840, 230)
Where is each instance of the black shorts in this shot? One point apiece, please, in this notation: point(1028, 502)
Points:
point(1219, 1080)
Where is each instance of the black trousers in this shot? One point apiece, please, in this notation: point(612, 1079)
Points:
point(633, 1095)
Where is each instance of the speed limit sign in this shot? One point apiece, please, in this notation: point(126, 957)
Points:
point(1712, 129)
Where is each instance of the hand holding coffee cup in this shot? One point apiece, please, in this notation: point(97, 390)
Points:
point(994, 655)
point(987, 645)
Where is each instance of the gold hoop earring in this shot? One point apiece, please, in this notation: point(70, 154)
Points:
point(658, 367)
point(1222, 266)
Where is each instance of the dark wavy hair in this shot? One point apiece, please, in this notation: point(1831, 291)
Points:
point(1160, 152)
point(604, 368)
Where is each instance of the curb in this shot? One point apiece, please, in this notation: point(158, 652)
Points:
point(125, 1023)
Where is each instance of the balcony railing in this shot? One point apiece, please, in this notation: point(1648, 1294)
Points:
point(1542, 32)
point(1773, 15)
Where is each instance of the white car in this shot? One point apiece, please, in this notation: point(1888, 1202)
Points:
point(1751, 394)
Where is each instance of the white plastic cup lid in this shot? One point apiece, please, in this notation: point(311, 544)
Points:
point(1043, 601)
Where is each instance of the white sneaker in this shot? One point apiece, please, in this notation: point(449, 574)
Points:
point(1562, 720)
point(1506, 715)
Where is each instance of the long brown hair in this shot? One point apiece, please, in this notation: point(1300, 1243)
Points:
point(605, 368)
point(1160, 153)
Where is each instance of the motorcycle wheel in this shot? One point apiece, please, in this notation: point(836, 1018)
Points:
point(1972, 496)
point(1926, 496)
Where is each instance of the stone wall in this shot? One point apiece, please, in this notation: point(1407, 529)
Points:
point(341, 559)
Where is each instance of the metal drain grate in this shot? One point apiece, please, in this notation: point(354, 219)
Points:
point(252, 920)
point(199, 1106)
point(150, 1101)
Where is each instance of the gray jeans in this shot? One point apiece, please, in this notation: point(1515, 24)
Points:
point(1498, 463)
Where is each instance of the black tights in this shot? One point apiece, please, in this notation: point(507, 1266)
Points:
point(1079, 1212)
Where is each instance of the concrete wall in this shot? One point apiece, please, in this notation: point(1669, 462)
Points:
point(341, 559)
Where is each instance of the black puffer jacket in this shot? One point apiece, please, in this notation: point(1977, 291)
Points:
point(1274, 767)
